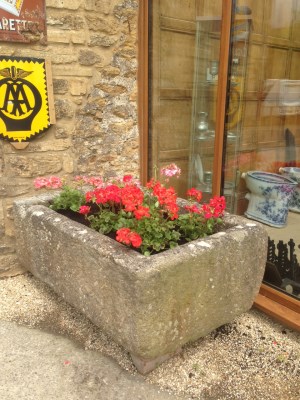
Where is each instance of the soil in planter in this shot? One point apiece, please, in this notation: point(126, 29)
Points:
point(77, 217)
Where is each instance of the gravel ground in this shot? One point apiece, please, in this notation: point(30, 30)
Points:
point(253, 358)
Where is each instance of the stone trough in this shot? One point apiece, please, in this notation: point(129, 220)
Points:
point(150, 305)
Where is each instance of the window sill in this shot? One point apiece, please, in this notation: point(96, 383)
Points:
point(279, 306)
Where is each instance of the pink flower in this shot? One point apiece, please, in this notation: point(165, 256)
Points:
point(170, 171)
point(40, 182)
point(95, 181)
point(53, 182)
point(80, 178)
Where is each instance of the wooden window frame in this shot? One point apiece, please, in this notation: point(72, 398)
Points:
point(274, 303)
point(143, 87)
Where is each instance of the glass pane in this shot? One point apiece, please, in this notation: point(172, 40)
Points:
point(262, 161)
point(207, 49)
point(183, 84)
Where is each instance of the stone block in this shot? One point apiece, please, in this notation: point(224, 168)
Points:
point(60, 86)
point(103, 6)
point(2, 224)
point(102, 40)
point(111, 89)
point(63, 109)
point(78, 37)
point(75, 70)
point(30, 166)
point(150, 305)
point(56, 36)
point(105, 25)
point(88, 57)
point(68, 164)
point(78, 87)
point(13, 188)
point(61, 132)
point(66, 4)
point(110, 71)
point(49, 145)
point(10, 266)
point(7, 245)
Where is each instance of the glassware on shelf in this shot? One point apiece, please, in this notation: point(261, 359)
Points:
point(210, 135)
point(206, 185)
point(202, 125)
point(208, 181)
point(212, 71)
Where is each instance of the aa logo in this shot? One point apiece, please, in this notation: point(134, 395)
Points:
point(24, 110)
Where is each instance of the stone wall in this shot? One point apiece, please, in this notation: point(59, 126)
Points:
point(92, 45)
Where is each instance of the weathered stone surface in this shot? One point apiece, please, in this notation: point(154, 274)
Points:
point(61, 132)
point(110, 72)
point(106, 25)
point(7, 246)
point(102, 6)
point(74, 71)
point(88, 57)
point(102, 40)
point(67, 4)
point(55, 36)
point(33, 165)
point(47, 146)
point(10, 266)
point(63, 109)
point(60, 86)
point(79, 37)
point(150, 305)
point(2, 224)
point(1, 159)
point(111, 89)
point(90, 43)
point(13, 188)
point(78, 87)
point(66, 22)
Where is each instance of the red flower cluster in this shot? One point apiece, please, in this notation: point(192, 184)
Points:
point(126, 236)
point(110, 193)
point(131, 197)
point(193, 209)
point(194, 194)
point(141, 212)
point(166, 197)
point(148, 219)
point(215, 208)
point(84, 210)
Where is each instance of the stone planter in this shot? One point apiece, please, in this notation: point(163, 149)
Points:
point(150, 305)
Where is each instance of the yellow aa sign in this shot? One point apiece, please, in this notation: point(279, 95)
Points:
point(24, 108)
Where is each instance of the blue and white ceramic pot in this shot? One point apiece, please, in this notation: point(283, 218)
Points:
point(294, 174)
point(269, 197)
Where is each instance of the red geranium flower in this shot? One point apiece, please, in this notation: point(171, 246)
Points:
point(84, 210)
point(126, 236)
